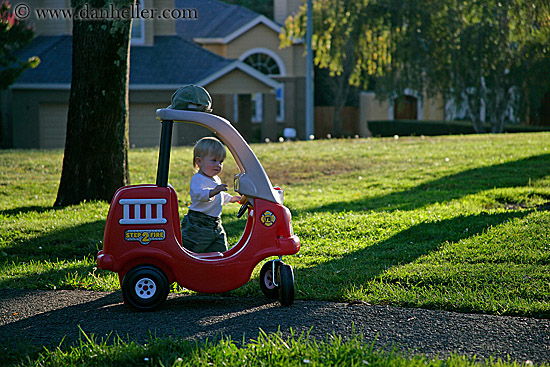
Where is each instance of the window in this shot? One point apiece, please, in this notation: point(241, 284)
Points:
point(256, 104)
point(138, 27)
point(281, 103)
point(256, 100)
point(262, 61)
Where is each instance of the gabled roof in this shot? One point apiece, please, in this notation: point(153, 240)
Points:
point(218, 22)
point(171, 62)
point(55, 66)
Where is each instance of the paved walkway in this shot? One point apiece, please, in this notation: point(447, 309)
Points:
point(45, 317)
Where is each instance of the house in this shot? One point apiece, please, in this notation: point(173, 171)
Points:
point(230, 50)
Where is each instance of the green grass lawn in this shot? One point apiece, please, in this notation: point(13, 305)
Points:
point(455, 223)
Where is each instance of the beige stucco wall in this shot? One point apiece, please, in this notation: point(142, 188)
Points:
point(32, 110)
point(283, 8)
point(370, 109)
point(29, 106)
point(261, 36)
point(434, 108)
point(52, 26)
point(237, 82)
point(163, 27)
point(258, 36)
point(217, 48)
point(49, 26)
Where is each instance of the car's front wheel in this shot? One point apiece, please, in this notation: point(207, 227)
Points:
point(285, 279)
point(267, 279)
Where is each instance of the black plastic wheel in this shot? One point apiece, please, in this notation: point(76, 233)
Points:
point(267, 284)
point(145, 287)
point(285, 277)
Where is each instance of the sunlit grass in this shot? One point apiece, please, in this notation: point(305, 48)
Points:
point(267, 350)
point(441, 222)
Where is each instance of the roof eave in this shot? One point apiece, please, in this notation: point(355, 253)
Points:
point(261, 19)
point(42, 86)
point(245, 69)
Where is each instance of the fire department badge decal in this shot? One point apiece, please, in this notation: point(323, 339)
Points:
point(268, 218)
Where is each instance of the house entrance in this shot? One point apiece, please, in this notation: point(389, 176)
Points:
point(406, 108)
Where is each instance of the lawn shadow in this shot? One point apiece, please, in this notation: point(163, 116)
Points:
point(68, 243)
point(356, 268)
point(27, 209)
point(511, 174)
point(57, 246)
point(45, 278)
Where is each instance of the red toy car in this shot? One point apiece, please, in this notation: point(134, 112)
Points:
point(142, 239)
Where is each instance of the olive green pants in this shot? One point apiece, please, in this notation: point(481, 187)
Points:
point(202, 233)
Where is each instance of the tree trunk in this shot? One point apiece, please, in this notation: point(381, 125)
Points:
point(341, 87)
point(95, 163)
point(474, 111)
point(339, 102)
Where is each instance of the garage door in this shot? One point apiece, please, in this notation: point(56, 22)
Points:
point(144, 127)
point(53, 125)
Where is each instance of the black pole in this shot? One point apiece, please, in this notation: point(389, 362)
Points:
point(164, 153)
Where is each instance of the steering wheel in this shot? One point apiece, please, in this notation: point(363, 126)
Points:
point(243, 208)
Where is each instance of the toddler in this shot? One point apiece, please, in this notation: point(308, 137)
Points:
point(201, 228)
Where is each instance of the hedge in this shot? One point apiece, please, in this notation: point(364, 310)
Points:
point(429, 128)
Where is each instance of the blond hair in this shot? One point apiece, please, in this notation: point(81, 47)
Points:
point(208, 146)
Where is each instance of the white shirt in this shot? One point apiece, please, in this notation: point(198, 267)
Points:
point(200, 195)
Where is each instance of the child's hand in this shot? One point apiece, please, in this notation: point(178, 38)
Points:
point(235, 199)
point(216, 190)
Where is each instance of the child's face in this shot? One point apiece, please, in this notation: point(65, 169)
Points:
point(210, 166)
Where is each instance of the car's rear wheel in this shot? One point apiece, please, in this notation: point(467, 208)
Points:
point(145, 287)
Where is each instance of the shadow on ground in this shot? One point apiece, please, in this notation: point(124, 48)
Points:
point(46, 317)
point(510, 174)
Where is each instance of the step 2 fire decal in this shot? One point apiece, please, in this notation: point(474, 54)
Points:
point(144, 236)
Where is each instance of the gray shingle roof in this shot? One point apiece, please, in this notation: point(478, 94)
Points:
point(55, 55)
point(215, 19)
point(171, 60)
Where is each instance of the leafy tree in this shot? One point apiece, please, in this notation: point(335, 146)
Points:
point(474, 54)
point(343, 45)
point(487, 55)
point(14, 35)
point(95, 163)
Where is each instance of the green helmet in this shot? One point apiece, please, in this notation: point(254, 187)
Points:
point(191, 98)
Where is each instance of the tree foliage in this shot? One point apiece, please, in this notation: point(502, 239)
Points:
point(489, 57)
point(14, 35)
point(341, 43)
